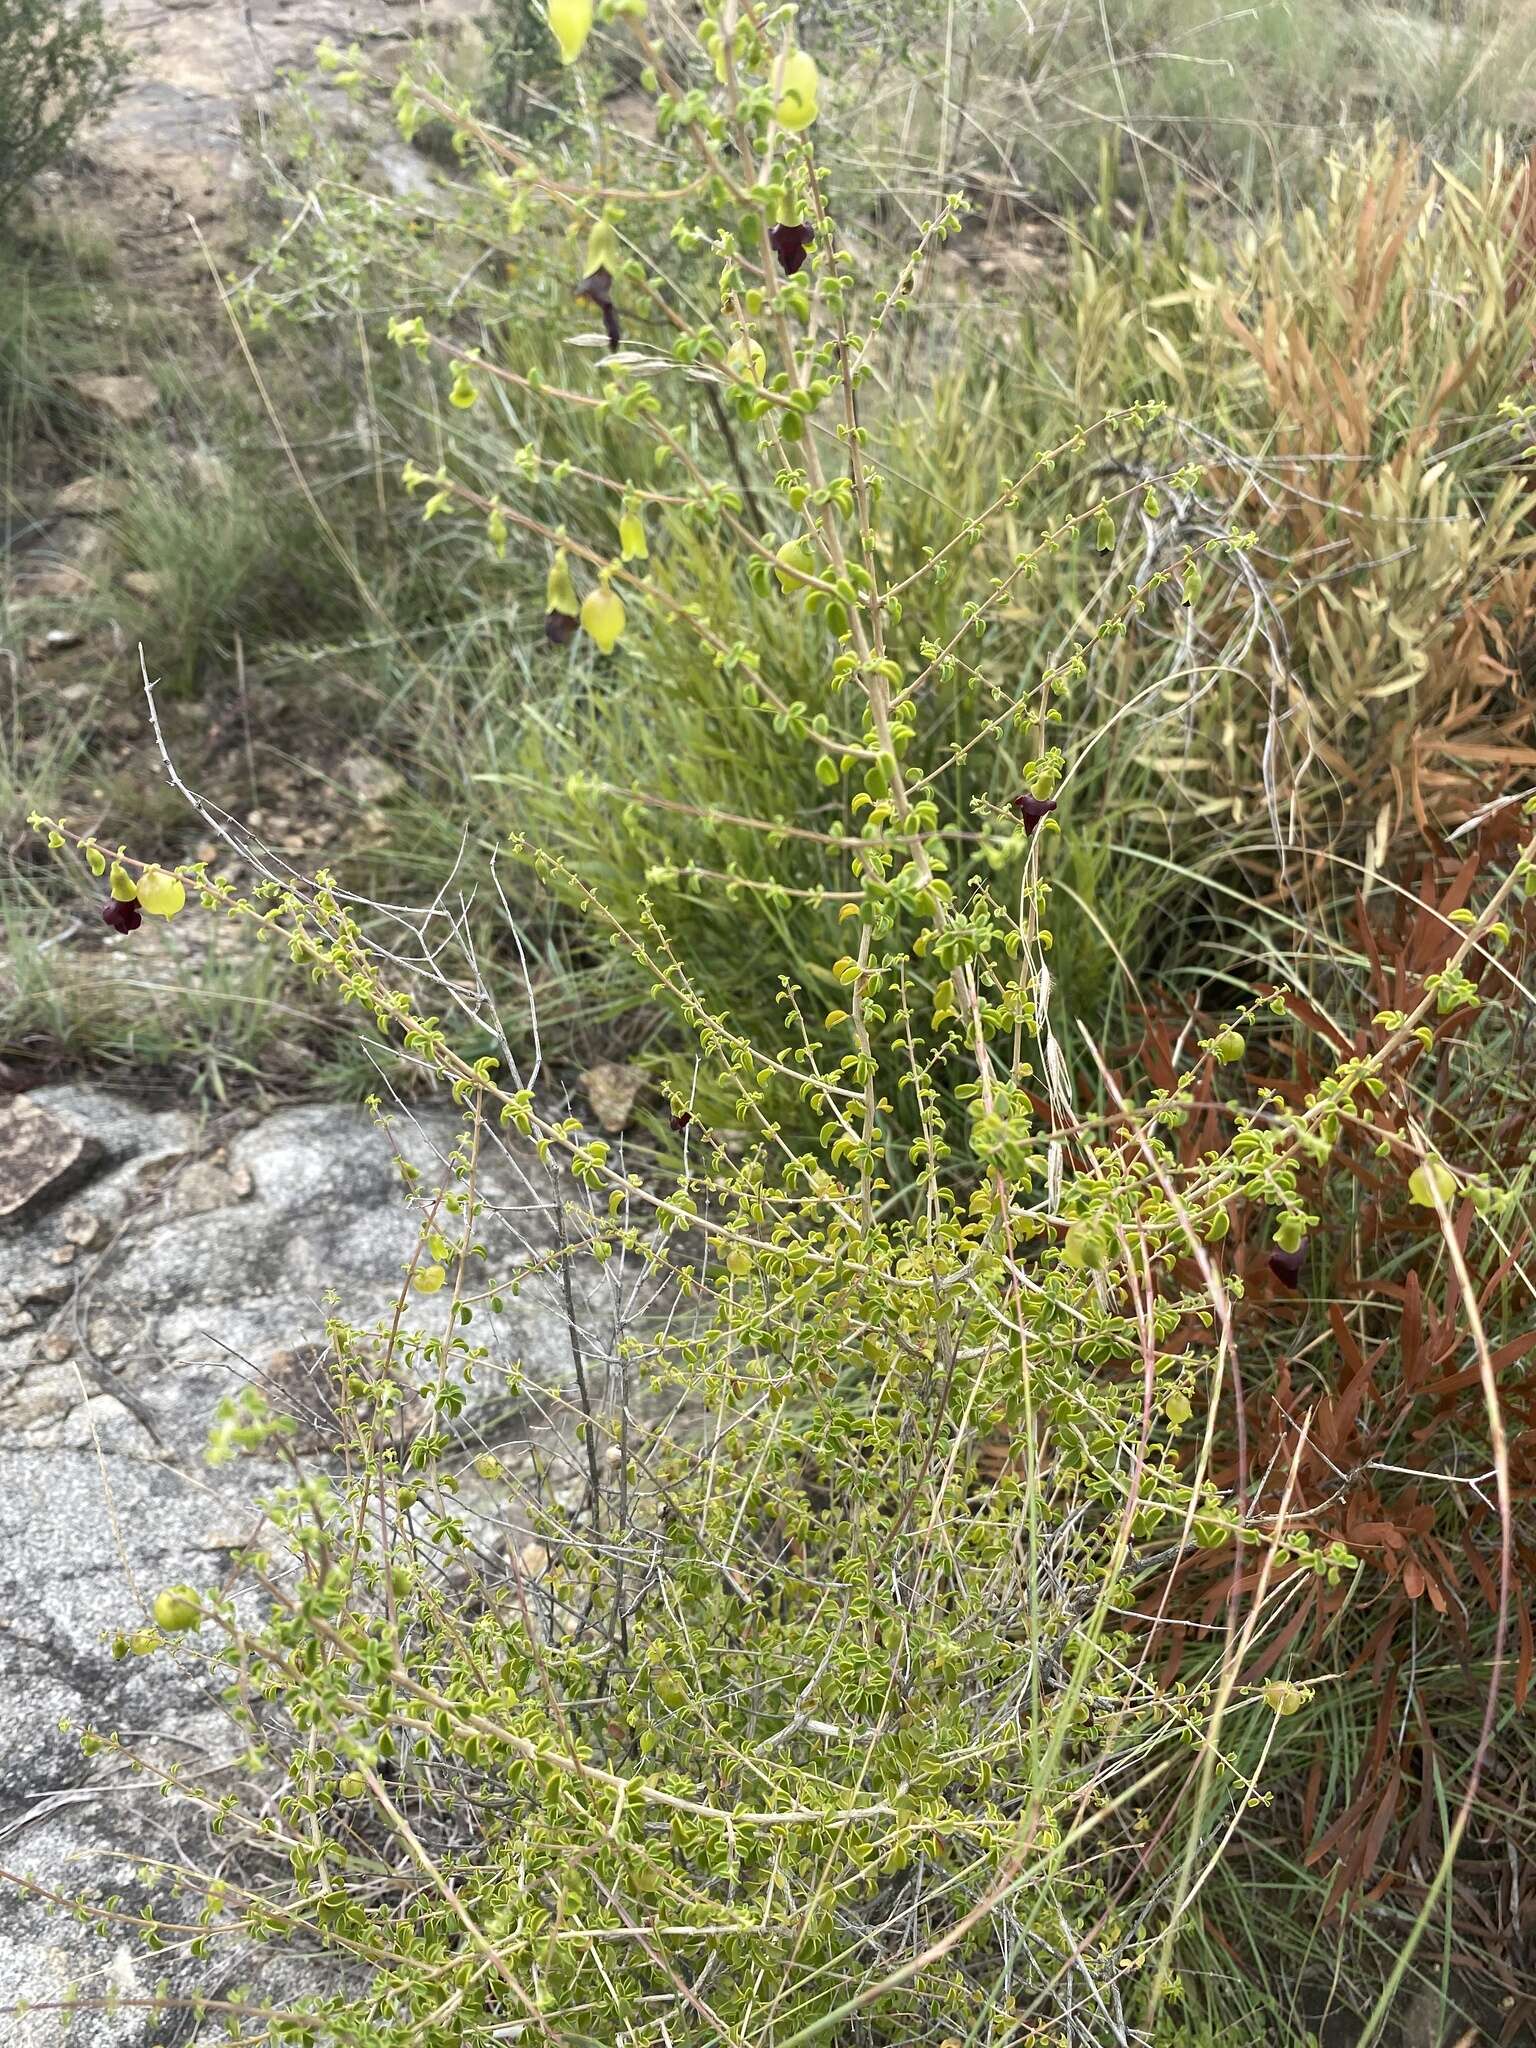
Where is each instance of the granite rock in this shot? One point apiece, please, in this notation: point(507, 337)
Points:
point(41, 1157)
point(189, 1262)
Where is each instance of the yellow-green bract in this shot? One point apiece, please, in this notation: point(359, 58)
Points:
point(602, 617)
point(796, 82)
point(570, 23)
point(177, 1608)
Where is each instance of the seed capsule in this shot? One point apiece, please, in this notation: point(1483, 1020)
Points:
point(632, 547)
point(793, 561)
point(1285, 1699)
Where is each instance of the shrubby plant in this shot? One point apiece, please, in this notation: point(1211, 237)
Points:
point(59, 68)
point(808, 1699)
point(822, 1714)
point(1334, 386)
point(681, 806)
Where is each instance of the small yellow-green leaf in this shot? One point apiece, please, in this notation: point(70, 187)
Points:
point(1087, 1246)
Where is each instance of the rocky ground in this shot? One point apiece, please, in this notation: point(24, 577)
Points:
point(149, 1265)
point(178, 155)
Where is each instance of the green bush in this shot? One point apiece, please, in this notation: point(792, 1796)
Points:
point(657, 799)
point(792, 1687)
point(797, 1686)
point(1338, 386)
point(59, 69)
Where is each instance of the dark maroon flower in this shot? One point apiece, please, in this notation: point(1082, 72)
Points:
point(791, 242)
point(1029, 810)
point(597, 288)
point(121, 917)
point(560, 627)
point(680, 1119)
point(1286, 1266)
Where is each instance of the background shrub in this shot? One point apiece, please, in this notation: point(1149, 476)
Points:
point(59, 69)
